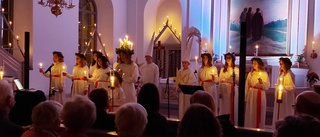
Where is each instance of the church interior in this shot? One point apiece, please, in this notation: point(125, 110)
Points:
point(33, 29)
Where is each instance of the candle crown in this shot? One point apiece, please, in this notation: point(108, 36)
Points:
point(125, 46)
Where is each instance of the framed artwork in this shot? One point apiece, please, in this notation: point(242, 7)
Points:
point(266, 26)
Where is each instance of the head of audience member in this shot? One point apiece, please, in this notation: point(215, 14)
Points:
point(149, 97)
point(204, 98)
point(308, 102)
point(100, 98)
point(298, 126)
point(46, 116)
point(192, 123)
point(131, 120)
point(206, 60)
point(6, 98)
point(57, 57)
point(78, 115)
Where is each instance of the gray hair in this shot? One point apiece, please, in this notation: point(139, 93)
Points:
point(131, 120)
point(78, 114)
point(5, 92)
point(46, 114)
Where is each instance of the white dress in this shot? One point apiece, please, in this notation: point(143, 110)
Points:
point(58, 81)
point(149, 74)
point(91, 70)
point(255, 98)
point(130, 76)
point(288, 97)
point(100, 78)
point(118, 100)
point(209, 85)
point(79, 85)
point(229, 94)
point(185, 78)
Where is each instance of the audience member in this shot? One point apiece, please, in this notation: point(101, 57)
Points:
point(204, 98)
point(7, 128)
point(308, 102)
point(45, 120)
point(298, 126)
point(131, 120)
point(78, 115)
point(199, 121)
point(104, 120)
point(149, 99)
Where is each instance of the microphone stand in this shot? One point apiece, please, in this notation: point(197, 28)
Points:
point(167, 89)
point(233, 93)
point(50, 89)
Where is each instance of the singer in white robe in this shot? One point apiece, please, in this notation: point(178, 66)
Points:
point(130, 74)
point(255, 97)
point(288, 97)
point(92, 68)
point(185, 78)
point(118, 98)
point(57, 79)
point(99, 76)
point(79, 85)
point(149, 74)
point(227, 88)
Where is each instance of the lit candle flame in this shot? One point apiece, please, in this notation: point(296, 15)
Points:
point(1, 74)
point(280, 92)
point(196, 58)
point(17, 37)
point(112, 81)
point(257, 46)
point(40, 64)
point(85, 73)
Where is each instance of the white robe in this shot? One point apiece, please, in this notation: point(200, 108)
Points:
point(288, 97)
point(91, 70)
point(252, 99)
point(118, 100)
point(58, 81)
point(100, 78)
point(149, 74)
point(209, 85)
point(186, 78)
point(129, 77)
point(79, 85)
point(225, 87)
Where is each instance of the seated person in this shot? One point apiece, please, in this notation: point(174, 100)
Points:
point(78, 115)
point(7, 128)
point(192, 123)
point(104, 120)
point(308, 102)
point(298, 126)
point(149, 99)
point(45, 120)
point(131, 120)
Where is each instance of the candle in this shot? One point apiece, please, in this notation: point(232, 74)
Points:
point(10, 22)
point(280, 92)
point(312, 45)
point(259, 74)
point(91, 50)
point(170, 24)
point(99, 50)
point(257, 47)
point(196, 62)
point(85, 73)
point(99, 34)
point(167, 18)
point(40, 64)
point(230, 47)
point(175, 30)
point(1, 74)
point(63, 67)
point(127, 37)
point(212, 71)
point(17, 37)
point(112, 81)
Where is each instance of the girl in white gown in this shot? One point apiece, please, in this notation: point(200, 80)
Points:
point(57, 79)
point(208, 77)
point(228, 88)
point(80, 71)
point(255, 97)
point(117, 97)
point(286, 80)
point(93, 67)
point(99, 76)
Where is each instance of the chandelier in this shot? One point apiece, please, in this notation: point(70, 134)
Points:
point(56, 5)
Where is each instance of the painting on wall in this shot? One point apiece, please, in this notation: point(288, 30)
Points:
point(266, 26)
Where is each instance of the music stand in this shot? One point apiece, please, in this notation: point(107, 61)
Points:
point(190, 89)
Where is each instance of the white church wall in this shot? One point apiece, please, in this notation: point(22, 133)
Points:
point(51, 33)
point(105, 26)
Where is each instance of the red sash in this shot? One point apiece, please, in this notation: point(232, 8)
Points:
point(110, 109)
point(78, 79)
point(202, 82)
point(258, 117)
point(96, 83)
point(55, 75)
point(231, 101)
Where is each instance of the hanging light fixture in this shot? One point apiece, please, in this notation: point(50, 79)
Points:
point(56, 5)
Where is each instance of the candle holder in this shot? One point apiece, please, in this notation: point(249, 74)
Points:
point(112, 102)
point(279, 101)
point(314, 54)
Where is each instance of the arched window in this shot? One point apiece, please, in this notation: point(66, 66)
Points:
point(87, 23)
point(6, 34)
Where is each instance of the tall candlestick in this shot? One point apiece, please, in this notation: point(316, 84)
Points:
point(40, 64)
point(257, 47)
point(280, 92)
point(196, 62)
point(312, 45)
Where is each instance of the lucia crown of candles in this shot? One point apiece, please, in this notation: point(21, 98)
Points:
point(125, 46)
